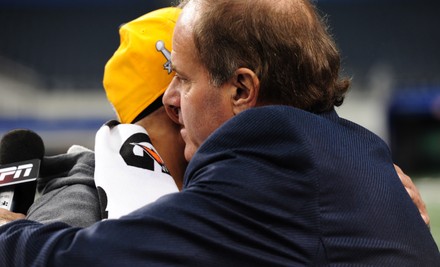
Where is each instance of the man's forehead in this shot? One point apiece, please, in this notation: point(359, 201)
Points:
point(183, 42)
point(182, 60)
point(182, 55)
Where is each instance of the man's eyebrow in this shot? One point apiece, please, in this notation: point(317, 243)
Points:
point(176, 69)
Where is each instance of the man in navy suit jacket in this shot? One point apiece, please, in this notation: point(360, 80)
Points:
point(276, 178)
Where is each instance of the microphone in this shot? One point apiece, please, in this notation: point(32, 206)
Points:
point(21, 152)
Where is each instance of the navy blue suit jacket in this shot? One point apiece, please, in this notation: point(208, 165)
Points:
point(274, 186)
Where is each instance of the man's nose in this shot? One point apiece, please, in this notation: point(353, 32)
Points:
point(171, 102)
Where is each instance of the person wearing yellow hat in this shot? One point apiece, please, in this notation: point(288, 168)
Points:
point(129, 172)
point(136, 78)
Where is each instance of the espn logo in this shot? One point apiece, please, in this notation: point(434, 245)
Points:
point(19, 172)
point(16, 171)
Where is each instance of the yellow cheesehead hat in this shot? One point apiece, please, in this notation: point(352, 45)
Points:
point(138, 73)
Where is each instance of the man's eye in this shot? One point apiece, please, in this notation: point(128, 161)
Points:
point(181, 79)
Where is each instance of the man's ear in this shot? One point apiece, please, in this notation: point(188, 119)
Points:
point(247, 86)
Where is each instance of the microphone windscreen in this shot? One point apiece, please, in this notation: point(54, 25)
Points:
point(21, 145)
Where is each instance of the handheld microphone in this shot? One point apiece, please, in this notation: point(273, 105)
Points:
point(21, 152)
